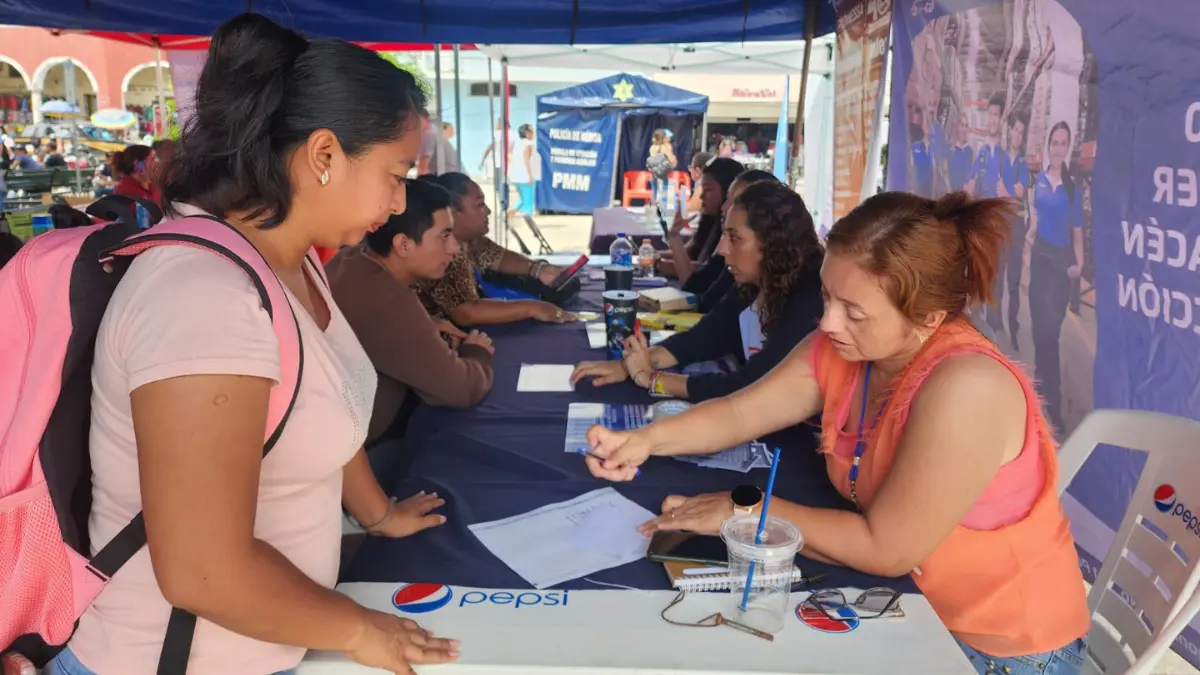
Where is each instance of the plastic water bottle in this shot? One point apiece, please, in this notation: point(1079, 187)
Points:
point(685, 196)
point(648, 215)
point(646, 259)
point(621, 251)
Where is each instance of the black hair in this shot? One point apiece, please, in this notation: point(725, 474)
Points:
point(997, 101)
point(708, 230)
point(263, 91)
point(425, 198)
point(525, 128)
point(127, 159)
point(457, 184)
point(790, 246)
point(755, 176)
point(1068, 181)
point(9, 245)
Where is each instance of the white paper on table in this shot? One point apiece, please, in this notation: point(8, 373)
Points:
point(543, 545)
point(597, 335)
point(545, 378)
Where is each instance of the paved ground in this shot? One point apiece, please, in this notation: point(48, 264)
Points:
point(568, 234)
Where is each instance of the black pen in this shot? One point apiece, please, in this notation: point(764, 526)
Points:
point(809, 581)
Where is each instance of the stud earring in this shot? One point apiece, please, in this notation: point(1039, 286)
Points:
point(922, 337)
point(325, 177)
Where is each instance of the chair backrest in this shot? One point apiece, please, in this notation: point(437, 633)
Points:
point(637, 180)
point(1146, 662)
point(1151, 569)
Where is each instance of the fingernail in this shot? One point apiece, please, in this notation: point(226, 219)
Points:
point(441, 519)
point(432, 494)
point(421, 492)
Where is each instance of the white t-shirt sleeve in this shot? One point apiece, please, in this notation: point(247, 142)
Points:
point(181, 311)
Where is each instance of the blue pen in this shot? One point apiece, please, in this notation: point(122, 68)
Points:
point(588, 453)
point(762, 523)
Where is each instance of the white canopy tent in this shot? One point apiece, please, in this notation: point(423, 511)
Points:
point(713, 58)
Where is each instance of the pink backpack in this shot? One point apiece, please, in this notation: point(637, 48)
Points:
point(53, 295)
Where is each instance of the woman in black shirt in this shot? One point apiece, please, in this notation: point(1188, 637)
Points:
point(772, 251)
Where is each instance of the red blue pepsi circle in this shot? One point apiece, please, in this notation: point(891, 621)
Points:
point(815, 619)
point(1164, 498)
point(421, 598)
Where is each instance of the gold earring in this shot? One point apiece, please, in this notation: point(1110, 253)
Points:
point(325, 177)
point(922, 337)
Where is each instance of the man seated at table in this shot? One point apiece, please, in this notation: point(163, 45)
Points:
point(456, 296)
point(373, 286)
point(774, 255)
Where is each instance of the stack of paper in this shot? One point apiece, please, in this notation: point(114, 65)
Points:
point(545, 378)
point(568, 540)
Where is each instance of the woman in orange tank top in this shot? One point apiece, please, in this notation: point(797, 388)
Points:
point(937, 438)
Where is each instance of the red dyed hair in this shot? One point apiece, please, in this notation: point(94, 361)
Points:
point(933, 255)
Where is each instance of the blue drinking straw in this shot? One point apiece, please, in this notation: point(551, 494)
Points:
point(762, 523)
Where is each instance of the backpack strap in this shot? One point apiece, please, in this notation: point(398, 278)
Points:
point(215, 235)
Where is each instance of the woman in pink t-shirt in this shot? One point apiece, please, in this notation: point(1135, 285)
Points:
point(295, 144)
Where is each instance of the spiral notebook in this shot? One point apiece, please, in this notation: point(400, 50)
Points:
point(691, 576)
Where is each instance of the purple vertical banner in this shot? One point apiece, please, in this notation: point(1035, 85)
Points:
point(185, 73)
point(1087, 112)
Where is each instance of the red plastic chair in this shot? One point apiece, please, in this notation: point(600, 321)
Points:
point(636, 186)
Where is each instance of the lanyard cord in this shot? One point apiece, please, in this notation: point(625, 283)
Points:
point(860, 444)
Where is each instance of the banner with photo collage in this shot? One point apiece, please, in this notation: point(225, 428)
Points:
point(1088, 113)
point(862, 39)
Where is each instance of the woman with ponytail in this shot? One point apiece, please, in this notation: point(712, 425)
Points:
point(294, 144)
point(1055, 238)
point(930, 432)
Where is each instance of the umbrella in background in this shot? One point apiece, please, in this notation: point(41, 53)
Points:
point(57, 107)
point(114, 118)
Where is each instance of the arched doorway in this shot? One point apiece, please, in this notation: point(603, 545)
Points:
point(139, 92)
point(50, 81)
point(16, 108)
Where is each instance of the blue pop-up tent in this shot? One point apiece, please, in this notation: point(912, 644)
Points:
point(590, 134)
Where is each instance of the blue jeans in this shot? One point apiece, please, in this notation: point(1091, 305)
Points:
point(66, 664)
point(1066, 660)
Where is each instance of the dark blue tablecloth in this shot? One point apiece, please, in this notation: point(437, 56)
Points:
point(505, 457)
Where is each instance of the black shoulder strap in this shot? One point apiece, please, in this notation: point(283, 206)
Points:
point(177, 643)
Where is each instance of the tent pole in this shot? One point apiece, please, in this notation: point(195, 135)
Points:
point(457, 108)
point(496, 158)
point(437, 91)
point(875, 149)
point(798, 133)
point(504, 191)
point(612, 190)
point(158, 81)
point(703, 133)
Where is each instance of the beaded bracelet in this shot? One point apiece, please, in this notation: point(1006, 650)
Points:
point(658, 386)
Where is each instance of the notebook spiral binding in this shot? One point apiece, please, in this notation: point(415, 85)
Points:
point(722, 582)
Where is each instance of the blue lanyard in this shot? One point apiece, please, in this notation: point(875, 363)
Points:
point(860, 444)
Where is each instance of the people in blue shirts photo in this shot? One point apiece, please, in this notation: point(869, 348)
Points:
point(985, 174)
point(1055, 236)
point(1014, 183)
point(961, 156)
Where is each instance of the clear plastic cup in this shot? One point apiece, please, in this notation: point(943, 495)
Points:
point(773, 559)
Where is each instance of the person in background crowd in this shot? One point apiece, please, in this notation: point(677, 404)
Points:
point(135, 165)
point(164, 152)
point(660, 145)
point(106, 176)
point(725, 148)
point(5, 164)
point(520, 170)
point(771, 247)
point(715, 180)
point(496, 149)
point(937, 438)
point(696, 171)
point(373, 286)
point(22, 161)
point(448, 131)
point(1014, 183)
point(438, 156)
point(1055, 238)
point(295, 144)
point(985, 174)
point(9, 245)
point(54, 160)
point(456, 296)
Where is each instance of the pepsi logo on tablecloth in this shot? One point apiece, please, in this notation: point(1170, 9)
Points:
point(421, 598)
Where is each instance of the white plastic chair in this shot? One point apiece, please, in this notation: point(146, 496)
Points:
point(1166, 637)
point(1151, 571)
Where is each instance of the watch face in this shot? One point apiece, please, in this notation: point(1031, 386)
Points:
point(746, 496)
